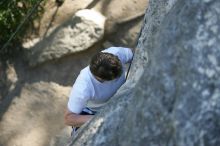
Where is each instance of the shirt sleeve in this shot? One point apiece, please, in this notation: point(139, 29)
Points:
point(79, 96)
point(124, 54)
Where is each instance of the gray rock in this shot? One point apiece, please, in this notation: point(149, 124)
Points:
point(78, 34)
point(175, 96)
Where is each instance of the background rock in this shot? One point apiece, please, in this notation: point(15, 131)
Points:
point(124, 20)
point(176, 101)
point(78, 34)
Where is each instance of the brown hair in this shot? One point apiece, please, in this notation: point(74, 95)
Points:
point(106, 66)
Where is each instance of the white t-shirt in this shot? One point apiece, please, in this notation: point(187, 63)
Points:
point(87, 91)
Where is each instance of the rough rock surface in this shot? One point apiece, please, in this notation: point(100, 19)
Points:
point(176, 102)
point(37, 80)
point(35, 116)
point(78, 34)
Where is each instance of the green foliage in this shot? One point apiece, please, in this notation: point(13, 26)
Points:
point(12, 13)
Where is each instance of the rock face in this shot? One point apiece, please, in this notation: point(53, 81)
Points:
point(41, 125)
point(77, 34)
point(176, 102)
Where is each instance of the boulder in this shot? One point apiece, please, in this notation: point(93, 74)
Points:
point(78, 34)
point(174, 96)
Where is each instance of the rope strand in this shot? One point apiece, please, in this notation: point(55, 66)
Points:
point(139, 34)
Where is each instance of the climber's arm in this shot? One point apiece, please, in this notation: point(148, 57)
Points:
point(75, 120)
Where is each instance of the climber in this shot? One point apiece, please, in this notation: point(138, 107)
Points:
point(59, 2)
point(95, 85)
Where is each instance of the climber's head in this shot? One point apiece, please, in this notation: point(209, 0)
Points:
point(105, 66)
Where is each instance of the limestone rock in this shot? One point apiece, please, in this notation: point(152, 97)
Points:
point(176, 102)
point(35, 116)
point(78, 34)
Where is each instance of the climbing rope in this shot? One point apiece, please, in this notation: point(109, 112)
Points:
point(139, 34)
